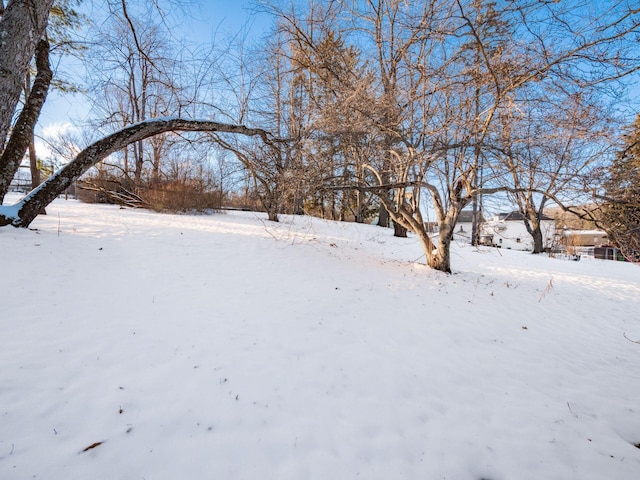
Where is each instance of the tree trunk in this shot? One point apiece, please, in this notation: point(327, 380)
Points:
point(399, 230)
point(437, 258)
point(33, 165)
point(156, 150)
point(534, 226)
point(383, 216)
point(270, 203)
point(475, 222)
point(29, 207)
point(360, 207)
point(538, 240)
point(441, 258)
point(139, 159)
point(272, 214)
point(22, 133)
point(22, 25)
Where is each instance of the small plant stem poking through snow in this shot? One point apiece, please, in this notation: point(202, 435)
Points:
point(547, 289)
point(632, 341)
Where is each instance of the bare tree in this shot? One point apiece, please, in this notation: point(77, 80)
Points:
point(22, 132)
point(23, 213)
point(64, 20)
point(550, 147)
point(132, 80)
point(448, 73)
point(264, 87)
point(22, 26)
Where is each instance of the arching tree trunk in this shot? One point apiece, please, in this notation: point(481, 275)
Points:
point(25, 211)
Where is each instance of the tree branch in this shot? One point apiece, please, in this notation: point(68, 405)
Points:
point(29, 207)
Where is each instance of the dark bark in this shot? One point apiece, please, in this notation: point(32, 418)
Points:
point(272, 214)
point(22, 133)
point(33, 165)
point(399, 230)
point(533, 224)
point(383, 217)
point(538, 240)
point(23, 23)
point(475, 222)
point(360, 207)
point(39, 198)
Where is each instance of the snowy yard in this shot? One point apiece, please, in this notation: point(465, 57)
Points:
point(138, 345)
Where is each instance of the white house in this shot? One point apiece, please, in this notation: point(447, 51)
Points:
point(507, 230)
point(462, 232)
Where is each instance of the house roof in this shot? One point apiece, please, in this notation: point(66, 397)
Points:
point(516, 216)
point(466, 216)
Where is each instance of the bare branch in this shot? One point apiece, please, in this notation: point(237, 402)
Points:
point(30, 206)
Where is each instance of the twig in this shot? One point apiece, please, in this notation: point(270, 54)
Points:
point(632, 341)
point(547, 290)
point(124, 198)
point(92, 446)
point(416, 260)
point(266, 229)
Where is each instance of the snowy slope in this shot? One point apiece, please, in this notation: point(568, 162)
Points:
point(225, 346)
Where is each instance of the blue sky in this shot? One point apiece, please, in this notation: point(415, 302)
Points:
point(215, 17)
point(206, 20)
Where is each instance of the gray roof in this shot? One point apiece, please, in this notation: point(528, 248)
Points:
point(517, 216)
point(466, 216)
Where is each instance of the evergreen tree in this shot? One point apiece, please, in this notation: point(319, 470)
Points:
point(621, 209)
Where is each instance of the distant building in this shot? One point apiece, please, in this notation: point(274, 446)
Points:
point(507, 230)
point(464, 226)
point(583, 238)
point(588, 244)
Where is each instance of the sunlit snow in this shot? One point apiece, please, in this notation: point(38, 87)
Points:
point(138, 345)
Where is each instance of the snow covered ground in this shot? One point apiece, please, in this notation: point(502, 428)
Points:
point(137, 345)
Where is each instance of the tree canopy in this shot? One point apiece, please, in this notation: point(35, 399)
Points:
point(620, 214)
point(406, 111)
